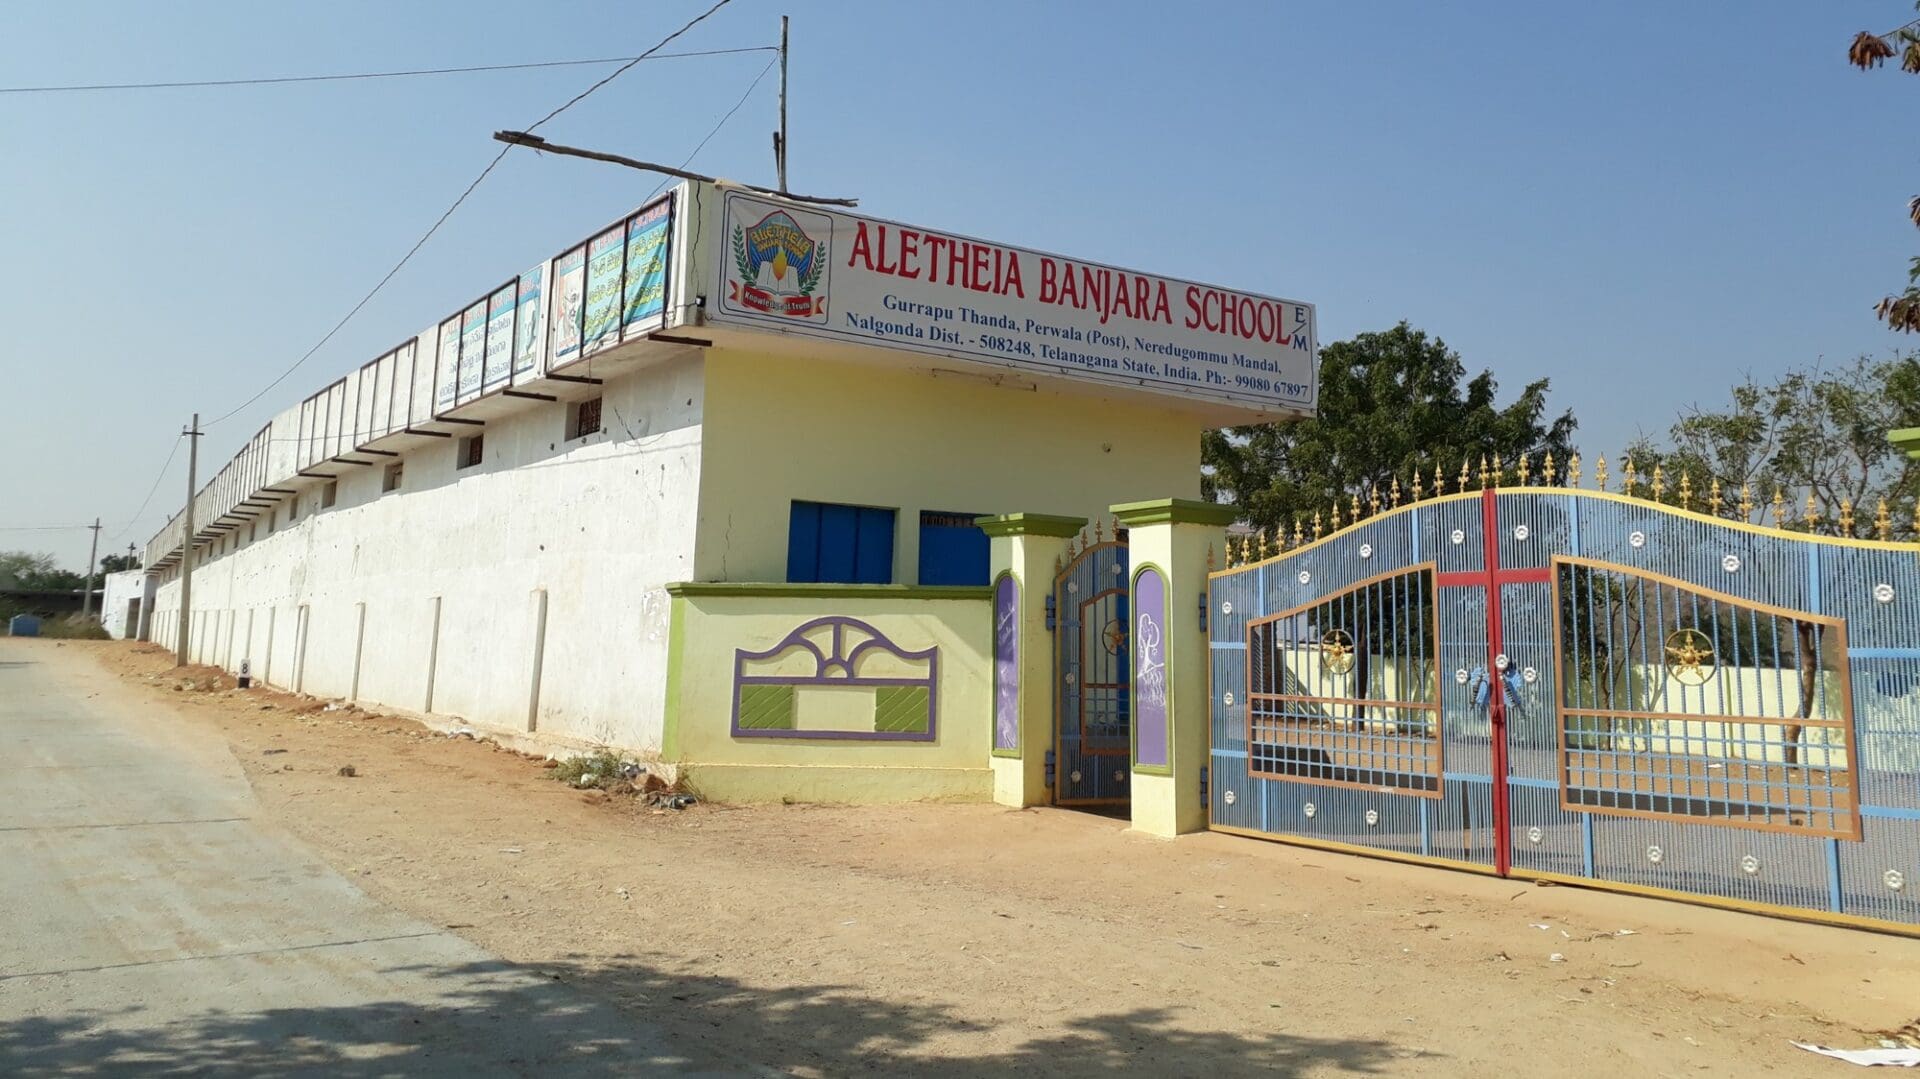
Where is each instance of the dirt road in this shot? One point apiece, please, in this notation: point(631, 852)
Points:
point(971, 939)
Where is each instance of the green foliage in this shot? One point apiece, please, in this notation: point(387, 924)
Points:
point(1389, 402)
point(602, 769)
point(116, 563)
point(36, 573)
point(1816, 431)
point(1900, 311)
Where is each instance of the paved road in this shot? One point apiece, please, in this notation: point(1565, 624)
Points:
point(150, 923)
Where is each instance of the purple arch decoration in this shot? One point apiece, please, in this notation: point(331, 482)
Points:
point(838, 665)
point(1149, 669)
point(1006, 663)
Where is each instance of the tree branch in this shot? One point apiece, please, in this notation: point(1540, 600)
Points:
point(521, 138)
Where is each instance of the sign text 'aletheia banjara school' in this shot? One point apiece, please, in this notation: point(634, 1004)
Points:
point(863, 281)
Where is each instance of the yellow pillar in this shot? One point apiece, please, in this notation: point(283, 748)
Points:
point(1169, 542)
point(1026, 547)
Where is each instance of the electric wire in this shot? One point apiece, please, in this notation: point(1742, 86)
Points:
point(435, 227)
point(282, 79)
point(135, 518)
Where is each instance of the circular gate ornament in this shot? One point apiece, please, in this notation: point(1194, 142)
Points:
point(1521, 532)
point(1690, 659)
point(1073, 586)
point(1731, 563)
point(1530, 676)
point(1458, 537)
point(1373, 817)
point(1460, 676)
point(1366, 550)
point(1336, 651)
point(1654, 854)
point(1501, 662)
point(1305, 576)
point(1229, 797)
point(1119, 775)
point(1072, 678)
point(1226, 606)
point(1309, 809)
point(1074, 775)
point(1750, 865)
point(1883, 592)
point(1636, 539)
point(1227, 699)
point(1895, 879)
point(1534, 834)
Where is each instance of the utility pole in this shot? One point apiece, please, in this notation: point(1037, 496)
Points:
point(93, 556)
point(780, 140)
point(186, 541)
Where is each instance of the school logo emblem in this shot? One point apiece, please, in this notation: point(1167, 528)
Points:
point(781, 266)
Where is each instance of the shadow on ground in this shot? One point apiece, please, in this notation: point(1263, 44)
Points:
point(602, 1016)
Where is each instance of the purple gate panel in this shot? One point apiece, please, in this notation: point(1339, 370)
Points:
point(1150, 669)
point(1006, 663)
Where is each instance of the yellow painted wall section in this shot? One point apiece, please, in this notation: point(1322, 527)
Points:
point(709, 629)
point(780, 428)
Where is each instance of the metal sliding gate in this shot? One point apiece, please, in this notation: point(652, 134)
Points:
point(1087, 613)
point(1566, 684)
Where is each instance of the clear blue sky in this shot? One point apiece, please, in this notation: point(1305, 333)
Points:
point(1639, 200)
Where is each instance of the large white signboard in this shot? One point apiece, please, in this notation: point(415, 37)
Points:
point(864, 281)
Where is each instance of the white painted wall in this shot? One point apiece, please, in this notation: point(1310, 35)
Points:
point(117, 590)
point(599, 524)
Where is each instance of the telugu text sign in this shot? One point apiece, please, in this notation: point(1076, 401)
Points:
point(865, 281)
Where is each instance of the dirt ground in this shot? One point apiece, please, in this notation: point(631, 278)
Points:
point(823, 940)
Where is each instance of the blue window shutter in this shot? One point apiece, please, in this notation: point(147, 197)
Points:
point(803, 543)
point(952, 553)
point(873, 552)
point(839, 532)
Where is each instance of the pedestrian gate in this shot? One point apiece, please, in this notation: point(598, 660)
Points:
point(1092, 707)
point(1568, 684)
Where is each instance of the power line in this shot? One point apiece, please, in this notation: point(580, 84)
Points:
point(716, 128)
point(43, 528)
point(435, 227)
point(280, 79)
point(135, 519)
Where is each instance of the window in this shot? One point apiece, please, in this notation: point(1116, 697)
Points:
point(390, 481)
point(329, 493)
point(953, 550)
point(473, 449)
point(583, 418)
point(833, 544)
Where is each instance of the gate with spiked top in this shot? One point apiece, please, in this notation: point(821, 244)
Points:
point(1526, 677)
point(1087, 614)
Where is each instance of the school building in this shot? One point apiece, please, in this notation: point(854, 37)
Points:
point(784, 495)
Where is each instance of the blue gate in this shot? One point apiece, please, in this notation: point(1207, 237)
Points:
point(1092, 709)
point(1579, 685)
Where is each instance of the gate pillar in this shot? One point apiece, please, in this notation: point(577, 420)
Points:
point(1170, 540)
point(1026, 547)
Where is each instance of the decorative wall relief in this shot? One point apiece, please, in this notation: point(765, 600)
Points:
point(1006, 663)
point(836, 678)
point(1150, 669)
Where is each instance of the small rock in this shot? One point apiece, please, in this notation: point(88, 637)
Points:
point(1556, 958)
point(347, 770)
point(271, 752)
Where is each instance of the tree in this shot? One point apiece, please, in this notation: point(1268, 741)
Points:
point(35, 573)
point(115, 563)
point(1816, 437)
point(1389, 402)
point(1870, 50)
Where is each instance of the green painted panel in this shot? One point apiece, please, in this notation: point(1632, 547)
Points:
point(766, 708)
point(901, 709)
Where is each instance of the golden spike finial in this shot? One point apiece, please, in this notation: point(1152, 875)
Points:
point(1600, 473)
point(1746, 501)
point(1713, 497)
point(1626, 477)
point(1393, 493)
point(1059, 564)
point(1483, 472)
point(1846, 516)
point(1686, 489)
point(1882, 523)
point(1097, 537)
point(1573, 471)
point(1659, 482)
point(1498, 472)
point(1355, 518)
point(1465, 478)
point(1299, 533)
point(1230, 561)
point(1263, 551)
point(1373, 498)
point(1813, 511)
point(1334, 517)
point(1779, 507)
point(1524, 470)
point(1316, 524)
point(1546, 473)
point(1415, 492)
